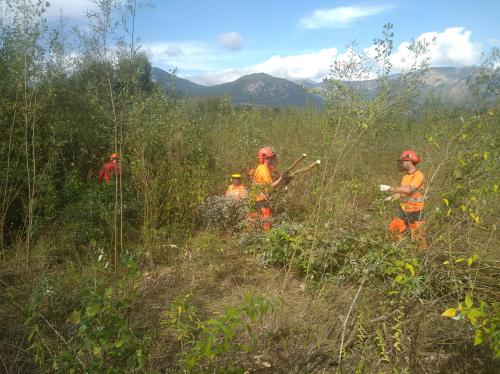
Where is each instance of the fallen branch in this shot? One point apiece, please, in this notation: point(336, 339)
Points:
point(295, 163)
point(289, 174)
point(305, 169)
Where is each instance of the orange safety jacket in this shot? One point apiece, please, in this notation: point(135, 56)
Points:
point(262, 178)
point(237, 192)
point(414, 201)
point(109, 169)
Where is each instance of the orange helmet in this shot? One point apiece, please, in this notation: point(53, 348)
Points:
point(264, 153)
point(114, 155)
point(410, 156)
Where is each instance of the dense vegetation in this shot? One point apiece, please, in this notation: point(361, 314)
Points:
point(127, 277)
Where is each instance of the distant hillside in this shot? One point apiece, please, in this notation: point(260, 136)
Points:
point(171, 82)
point(254, 89)
point(263, 89)
point(452, 84)
point(447, 83)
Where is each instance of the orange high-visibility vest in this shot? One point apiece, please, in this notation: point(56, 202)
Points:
point(237, 192)
point(414, 201)
point(262, 177)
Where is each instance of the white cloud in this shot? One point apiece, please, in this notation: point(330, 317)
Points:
point(186, 55)
point(231, 40)
point(452, 47)
point(69, 8)
point(340, 16)
point(311, 66)
point(201, 62)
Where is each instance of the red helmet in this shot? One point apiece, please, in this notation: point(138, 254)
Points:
point(264, 153)
point(410, 156)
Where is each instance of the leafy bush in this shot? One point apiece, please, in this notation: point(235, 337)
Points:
point(211, 345)
point(483, 318)
point(104, 341)
point(222, 212)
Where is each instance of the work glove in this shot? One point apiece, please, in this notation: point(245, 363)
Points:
point(384, 188)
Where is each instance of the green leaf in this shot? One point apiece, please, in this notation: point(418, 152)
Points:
point(411, 269)
point(74, 317)
point(118, 343)
point(472, 259)
point(398, 278)
point(468, 301)
point(108, 292)
point(451, 312)
point(474, 314)
point(92, 310)
point(478, 338)
point(97, 350)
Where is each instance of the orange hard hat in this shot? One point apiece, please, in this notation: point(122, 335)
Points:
point(114, 155)
point(410, 156)
point(264, 153)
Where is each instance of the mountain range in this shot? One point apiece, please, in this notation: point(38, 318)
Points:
point(447, 83)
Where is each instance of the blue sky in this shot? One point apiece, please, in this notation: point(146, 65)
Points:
point(213, 42)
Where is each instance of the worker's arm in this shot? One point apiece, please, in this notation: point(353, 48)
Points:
point(284, 179)
point(416, 181)
point(397, 189)
point(402, 189)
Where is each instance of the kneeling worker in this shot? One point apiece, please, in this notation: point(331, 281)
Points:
point(410, 216)
point(236, 190)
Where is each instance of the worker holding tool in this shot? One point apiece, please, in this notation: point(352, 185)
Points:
point(410, 215)
point(262, 181)
point(236, 190)
point(110, 168)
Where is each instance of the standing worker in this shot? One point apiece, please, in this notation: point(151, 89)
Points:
point(410, 216)
point(110, 168)
point(236, 190)
point(262, 181)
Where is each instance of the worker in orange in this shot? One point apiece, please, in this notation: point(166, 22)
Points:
point(410, 216)
point(110, 168)
point(236, 190)
point(262, 180)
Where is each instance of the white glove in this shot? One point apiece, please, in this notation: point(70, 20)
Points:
point(384, 188)
point(388, 198)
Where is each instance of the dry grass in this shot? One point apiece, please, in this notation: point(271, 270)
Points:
point(310, 321)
